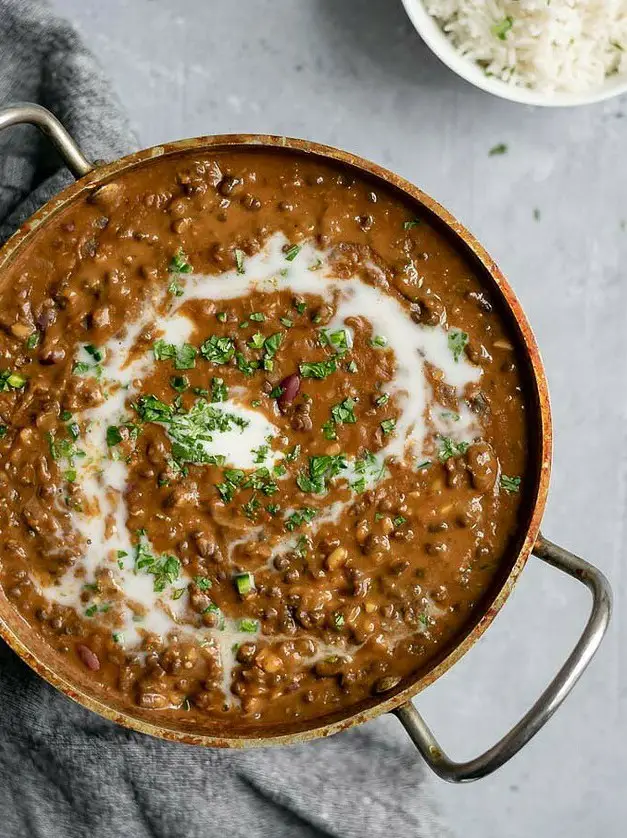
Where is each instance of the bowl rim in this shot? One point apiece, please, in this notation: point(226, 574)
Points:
point(433, 36)
point(21, 637)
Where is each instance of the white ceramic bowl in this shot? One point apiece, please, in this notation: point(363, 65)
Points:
point(433, 36)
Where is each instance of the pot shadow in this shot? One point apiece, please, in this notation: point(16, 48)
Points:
point(379, 30)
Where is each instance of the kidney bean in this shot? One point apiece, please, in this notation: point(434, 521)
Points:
point(290, 387)
point(89, 658)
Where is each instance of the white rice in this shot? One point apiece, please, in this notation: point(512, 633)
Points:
point(554, 46)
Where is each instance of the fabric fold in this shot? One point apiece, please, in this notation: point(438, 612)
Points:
point(64, 771)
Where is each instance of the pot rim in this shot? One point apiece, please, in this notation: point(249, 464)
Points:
point(317, 728)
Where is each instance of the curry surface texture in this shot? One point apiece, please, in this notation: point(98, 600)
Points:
point(263, 440)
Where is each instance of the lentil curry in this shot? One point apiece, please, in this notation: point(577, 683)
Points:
point(262, 439)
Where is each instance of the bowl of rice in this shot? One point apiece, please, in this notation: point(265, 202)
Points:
point(553, 53)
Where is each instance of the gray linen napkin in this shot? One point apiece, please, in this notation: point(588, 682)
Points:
point(67, 773)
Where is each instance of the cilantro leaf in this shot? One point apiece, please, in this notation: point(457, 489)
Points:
point(457, 341)
point(318, 369)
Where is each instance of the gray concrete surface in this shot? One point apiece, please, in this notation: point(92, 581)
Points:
point(354, 74)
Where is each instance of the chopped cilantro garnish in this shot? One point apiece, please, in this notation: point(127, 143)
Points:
point(501, 28)
point(338, 621)
point(300, 306)
point(344, 413)
point(221, 316)
point(89, 612)
point(352, 367)
point(175, 288)
point(256, 341)
point(321, 470)
point(203, 583)
point(384, 398)
point(65, 415)
point(292, 252)
point(250, 508)
point(184, 357)
point(3, 431)
point(95, 353)
point(33, 340)
point(293, 454)
point(379, 341)
point(257, 316)
point(328, 430)
point(399, 521)
point(190, 430)
point(179, 264)
point(261, 454)
point(239, 261)
point(272, 343)
point(273, 508)
point(63, 449)
point(510, 484)
point(318, 369)
point(165, 569)
point(248, 625)
point(81, 368)
point(114, 437)
point(219, 392)
point(408, 225)
point(301, 516)
point(218, 350)
point(449, 448)
point(501, 148)
point(457, 341)
point(244, 365)
point(177, 593)
point(388, 425)
point(287, 322)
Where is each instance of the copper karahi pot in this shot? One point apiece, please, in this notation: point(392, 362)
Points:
point(45, 661)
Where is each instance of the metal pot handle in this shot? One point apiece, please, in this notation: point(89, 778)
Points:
point(551, 698)
point(49, 125)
